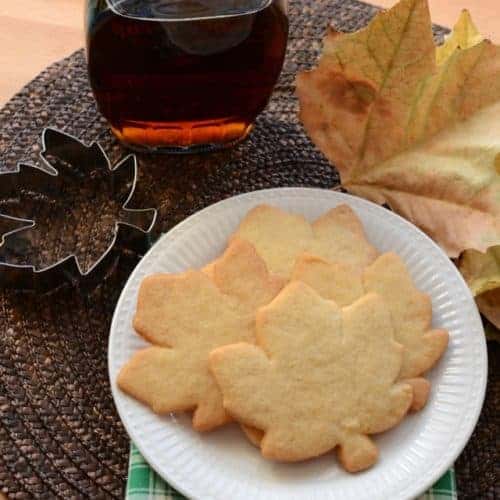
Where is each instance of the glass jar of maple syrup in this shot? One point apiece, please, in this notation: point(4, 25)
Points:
point(184, 75)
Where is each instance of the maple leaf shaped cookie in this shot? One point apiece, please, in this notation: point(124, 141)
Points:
point(187, 315)
point(337, 281)
point(320, 377)
point(411, 309)
point(280, 237)
point(411, 312)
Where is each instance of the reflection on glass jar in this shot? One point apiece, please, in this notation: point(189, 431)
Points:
point(184, 75)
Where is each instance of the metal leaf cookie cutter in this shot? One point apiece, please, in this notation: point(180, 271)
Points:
point(79, 164)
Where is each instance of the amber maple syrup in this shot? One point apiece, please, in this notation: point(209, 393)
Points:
point(183, 84)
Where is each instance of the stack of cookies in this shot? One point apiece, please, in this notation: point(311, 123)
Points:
point(300, 332)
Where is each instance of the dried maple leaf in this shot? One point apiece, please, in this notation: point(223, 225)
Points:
point(489, 304)
point(320, 377)
point(187, 315)
point(463, 36)
point(404, 129)
point(482, 273)
point(481, 270)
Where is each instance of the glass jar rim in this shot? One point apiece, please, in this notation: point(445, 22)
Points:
point(184, 10)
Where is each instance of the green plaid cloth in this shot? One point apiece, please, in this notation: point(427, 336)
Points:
point(144, 484)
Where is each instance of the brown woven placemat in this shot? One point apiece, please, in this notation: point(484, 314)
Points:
point(60, 435)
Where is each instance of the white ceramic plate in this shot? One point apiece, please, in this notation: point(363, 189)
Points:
point(223, 465)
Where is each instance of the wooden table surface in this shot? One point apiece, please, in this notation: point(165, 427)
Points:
point(35, 33)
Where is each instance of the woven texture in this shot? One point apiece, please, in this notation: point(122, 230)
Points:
point(60, 435)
